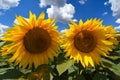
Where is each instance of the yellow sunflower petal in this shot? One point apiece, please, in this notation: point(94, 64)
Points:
point(80, 22)
point(33, 19)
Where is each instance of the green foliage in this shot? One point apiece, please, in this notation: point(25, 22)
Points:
point(11, 74)
point(64, 69)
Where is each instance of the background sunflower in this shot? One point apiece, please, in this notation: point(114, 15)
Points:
point(85, 42)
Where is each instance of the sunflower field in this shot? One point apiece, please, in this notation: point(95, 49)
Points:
point(34, 49)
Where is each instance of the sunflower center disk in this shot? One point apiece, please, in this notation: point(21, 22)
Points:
point(84, 41)
point(37, 40)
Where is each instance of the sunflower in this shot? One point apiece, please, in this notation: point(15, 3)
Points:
point(111, 34)
point(32, 41)
point(86, 42)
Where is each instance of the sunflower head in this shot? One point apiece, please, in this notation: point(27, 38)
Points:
point(86, 42)
point(33, 41)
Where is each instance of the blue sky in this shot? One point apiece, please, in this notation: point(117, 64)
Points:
point(63, 10)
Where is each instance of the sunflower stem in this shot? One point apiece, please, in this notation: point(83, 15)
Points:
point(33, 68)
point(79, 68)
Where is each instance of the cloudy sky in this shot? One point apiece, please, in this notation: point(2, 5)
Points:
point(63, 10)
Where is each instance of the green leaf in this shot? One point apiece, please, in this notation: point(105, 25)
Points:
point(99, 76)
point(114, 57)
point(111, 66)
point(64, 66)
point(4, 64)
point(117, 47)
point(115, 53)
point(80, 77)
point(11, 74)
point(1, 43)
point(64, 76)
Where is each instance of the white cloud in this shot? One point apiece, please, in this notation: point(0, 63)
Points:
point(105, 13)
point(59, 10)
point(62, 14)
point(58, 3)
point(43, 3)
point(106, 3)
point(118, 21)
point(117, 28)
point(115, 7)
point(15, 21)
point(82, 1)
point(2, 29)
point(7, 4)
point(75, 20)
point(62, 31)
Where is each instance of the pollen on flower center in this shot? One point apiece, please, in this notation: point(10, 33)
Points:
point(37, 40)
point(84, 41)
